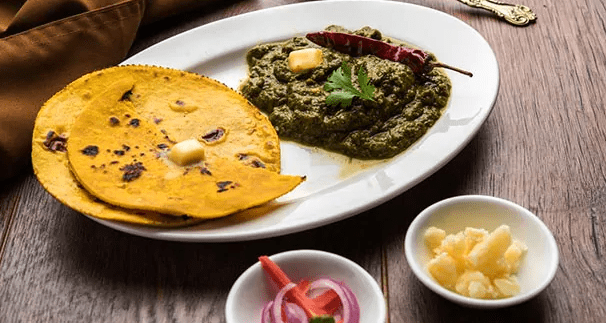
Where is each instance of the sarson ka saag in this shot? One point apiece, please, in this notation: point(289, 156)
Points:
point(342, 100)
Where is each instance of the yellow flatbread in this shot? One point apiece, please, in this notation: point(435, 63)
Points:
point(171, 109)
point(122, 157)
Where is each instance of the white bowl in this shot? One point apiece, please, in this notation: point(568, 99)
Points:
point(538, 266)
point(253, 289)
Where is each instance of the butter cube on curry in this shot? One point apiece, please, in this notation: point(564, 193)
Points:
point(304, 59)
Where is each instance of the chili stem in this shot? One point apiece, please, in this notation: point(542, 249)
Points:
point(456, 69)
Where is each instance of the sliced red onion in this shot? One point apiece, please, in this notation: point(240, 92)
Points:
point(351, 308)
point(266, 313)
point(291, 313)
point(294, 313)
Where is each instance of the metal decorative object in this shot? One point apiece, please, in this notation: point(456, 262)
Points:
point(516, 14)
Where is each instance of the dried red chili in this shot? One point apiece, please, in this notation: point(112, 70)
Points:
point(419, 61)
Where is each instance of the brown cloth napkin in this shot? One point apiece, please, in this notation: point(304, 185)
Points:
point(45, 44)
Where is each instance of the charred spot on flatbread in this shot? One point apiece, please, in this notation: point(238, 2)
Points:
point(114, 121)
point(90, 150)
point(251, 161)
point(55, 142)
point(214, 135)
point(132, 171)
point(134, 122)
point(126, 95)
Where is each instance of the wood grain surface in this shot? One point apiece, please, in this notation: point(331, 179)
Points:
point(543, 146)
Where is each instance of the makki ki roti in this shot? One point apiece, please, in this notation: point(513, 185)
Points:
point(159, 96)
point(122, 158)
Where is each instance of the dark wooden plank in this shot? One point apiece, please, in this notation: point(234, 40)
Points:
point(9, 199)
point(62, 266)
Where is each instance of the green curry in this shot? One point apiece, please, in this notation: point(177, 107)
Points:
point(405, 106)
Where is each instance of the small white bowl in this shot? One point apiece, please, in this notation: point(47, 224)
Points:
point(253, 289)
point(538, 266)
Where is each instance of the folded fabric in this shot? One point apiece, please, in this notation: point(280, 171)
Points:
point(45, 44)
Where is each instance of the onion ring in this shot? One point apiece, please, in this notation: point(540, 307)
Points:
point(350, 308)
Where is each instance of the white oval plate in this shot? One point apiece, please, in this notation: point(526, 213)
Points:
point(335, 188)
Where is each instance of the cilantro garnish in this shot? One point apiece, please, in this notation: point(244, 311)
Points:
point(342, 88)
point(322, 319)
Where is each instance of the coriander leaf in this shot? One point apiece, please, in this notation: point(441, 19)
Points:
point(342, 89)
point(322, 319)
point(339, 79)
point(367, 89)
point(336, 98)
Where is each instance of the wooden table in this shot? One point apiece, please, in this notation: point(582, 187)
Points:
point(543, 146)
